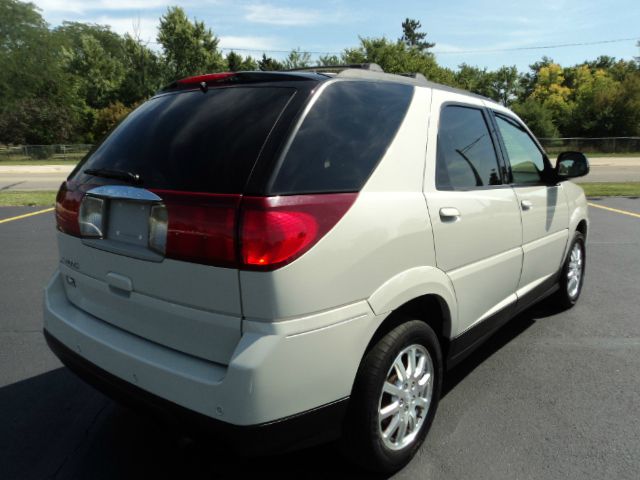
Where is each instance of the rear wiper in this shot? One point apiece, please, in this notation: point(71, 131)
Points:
point(117, 174)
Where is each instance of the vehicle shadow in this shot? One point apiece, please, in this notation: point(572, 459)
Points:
point(495, 342)
point(55, 426)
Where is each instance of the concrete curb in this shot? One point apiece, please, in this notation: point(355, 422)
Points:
point(66, 169)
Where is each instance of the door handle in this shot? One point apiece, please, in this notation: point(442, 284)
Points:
point(526, 205)
point(449, 214)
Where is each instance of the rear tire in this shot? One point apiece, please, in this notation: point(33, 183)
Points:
point(394, 398)
point(572, 275)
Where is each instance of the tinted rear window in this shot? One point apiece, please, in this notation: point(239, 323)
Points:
point(343, 137)
point(194, 141)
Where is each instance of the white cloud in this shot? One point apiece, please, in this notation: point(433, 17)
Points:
point(81, 6)
point(253, 43)
point(145, 27)
point(269, 14)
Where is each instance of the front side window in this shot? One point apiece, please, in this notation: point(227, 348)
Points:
point(526, 159)
point(466, 157)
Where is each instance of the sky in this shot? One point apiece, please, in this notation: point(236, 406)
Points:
point(484, 33)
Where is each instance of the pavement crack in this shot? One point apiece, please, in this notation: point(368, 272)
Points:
point(7, 187)
point(81, 441)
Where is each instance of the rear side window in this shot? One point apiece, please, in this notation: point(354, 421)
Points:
point(466, 157)
point(343, 137)
point(194, 141)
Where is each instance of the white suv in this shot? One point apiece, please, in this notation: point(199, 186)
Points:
point(295, 257)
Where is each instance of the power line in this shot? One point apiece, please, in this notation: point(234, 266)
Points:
point(442, 52)
point(540, 47)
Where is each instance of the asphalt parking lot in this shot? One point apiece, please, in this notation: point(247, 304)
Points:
point(553, 395)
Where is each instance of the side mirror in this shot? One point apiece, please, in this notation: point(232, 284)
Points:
point(571, 165)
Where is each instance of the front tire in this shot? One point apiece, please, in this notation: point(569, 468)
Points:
point(572, 275)
point(395, 398)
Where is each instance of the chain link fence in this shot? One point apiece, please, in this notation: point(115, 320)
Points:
point(51, 153)
point(603, 145)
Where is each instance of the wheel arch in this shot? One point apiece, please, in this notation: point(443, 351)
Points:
point(430, 308)
point(582, 227)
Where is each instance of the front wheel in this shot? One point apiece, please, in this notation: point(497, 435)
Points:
point(395, 398)
point(572, 275)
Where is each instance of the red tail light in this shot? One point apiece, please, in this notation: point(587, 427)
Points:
point(209, 77)
point(277, 230)
point(252, 233)
point(67, 209)
point(201, 227)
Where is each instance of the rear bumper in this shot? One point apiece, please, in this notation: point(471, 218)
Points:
point(279, 371)
point(298, 431)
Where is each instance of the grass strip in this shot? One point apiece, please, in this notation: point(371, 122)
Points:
point(610, 189)
point(14, 198)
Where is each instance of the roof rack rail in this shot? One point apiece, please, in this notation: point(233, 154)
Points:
point(416, 75)
point(374, 67)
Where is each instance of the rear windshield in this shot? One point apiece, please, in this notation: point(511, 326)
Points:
point(194, 141)
point(342, 138)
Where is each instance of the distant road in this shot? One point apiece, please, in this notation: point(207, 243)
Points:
point(49, 177)
point(36, 177)
point(613, 169)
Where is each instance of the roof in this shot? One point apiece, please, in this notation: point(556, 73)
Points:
point(364, 71)
point(373, 71)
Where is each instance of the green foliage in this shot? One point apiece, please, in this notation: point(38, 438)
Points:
point(143, 72)
point(392, 56)
point(37, 121)
point(474, 80)
point(27, 198)
point(73, 83)
point(502, 85)
point(99, 73)
point(268, 64)
point(38, 102)
point(537, 117)
point(506, 84)
point(412, 37)
point(601, 189)
point(297, 59)
point(108, 117)
point(236, 63)
point(328, 60)
point(189, 48)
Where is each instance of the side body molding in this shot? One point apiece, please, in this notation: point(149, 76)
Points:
point(414, 283)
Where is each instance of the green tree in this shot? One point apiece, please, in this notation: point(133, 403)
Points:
point(268, 64)
point(528, 80)
point(38, 100)
point(397, 57)
point(236, 63)
point(505, 84)
point(143, 72)
point(412, 37)
point(595, 98)
point(99, 73)
point(475, 80)
point(71, 34)
point(109, 117)
point(627, 107)
point(297, 59)
point(328, 60)
point(190, 48)
point(537, 117)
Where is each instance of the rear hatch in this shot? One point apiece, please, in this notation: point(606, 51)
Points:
point(148, 220)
